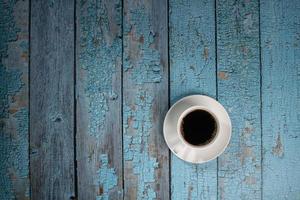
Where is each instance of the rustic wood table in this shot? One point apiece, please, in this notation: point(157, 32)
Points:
point(85, 86)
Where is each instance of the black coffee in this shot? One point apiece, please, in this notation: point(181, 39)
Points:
point(198, 127)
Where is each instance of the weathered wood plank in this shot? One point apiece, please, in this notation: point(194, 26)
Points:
point(145, 89)
point(192, 71)
point(52, 99)
point(238, 63)
point(99, 118)
point(280, 38)
point(14, 162)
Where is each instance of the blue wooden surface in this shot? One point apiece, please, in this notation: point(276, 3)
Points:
point(133, 60)
point(238, 66)
point(280, 40)
point(14, 168)
point(145, 99)
point(51, 99)
point(192, 71)
point(98, 88)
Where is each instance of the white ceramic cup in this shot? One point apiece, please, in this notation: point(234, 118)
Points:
point(188, 111)
point(203, 152)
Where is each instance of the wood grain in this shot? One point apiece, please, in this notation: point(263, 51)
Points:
point(145, 89)
point(99, 124)
point(238, 60)
point(280, 38)
point(52, 100)
point(192, 71)
point(262, 99)
point(14, 161)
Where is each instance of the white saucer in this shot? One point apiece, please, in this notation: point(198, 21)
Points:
point(189, 152)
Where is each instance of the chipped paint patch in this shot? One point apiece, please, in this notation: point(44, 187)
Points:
point(277, 150)
point(248, 23)
point(247, 153)
point(136, 147)
point(96, 41)
point(142, 58)
point(222, 191)
point(223, 75)
point(248, 129)
point(190, 190)
point(107, 178)
point(14, 170)
point(205, 53)
point(250, 180)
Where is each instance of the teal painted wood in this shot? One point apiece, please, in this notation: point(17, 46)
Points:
point(145, 89)
point(238, 63)
point(52, 53)
point(192, 71)
point(99, 124)
point(280, 38)
point(14, 161)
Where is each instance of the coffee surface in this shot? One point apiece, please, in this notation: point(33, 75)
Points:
point(198, 127)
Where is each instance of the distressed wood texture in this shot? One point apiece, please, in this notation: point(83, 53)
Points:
point(192, 71)
point(52, 100)
point(280, 38)
point(145, 89)
point(99, 118)
point(238, 63)
point(14, 162)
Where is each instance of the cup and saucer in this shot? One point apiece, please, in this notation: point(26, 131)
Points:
point(197, 129)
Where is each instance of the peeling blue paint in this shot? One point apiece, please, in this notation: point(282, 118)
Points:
point(10, 84)
point(280, 56)
point(143, 70)
point(14, 157)
point(138, 120)
point(192, 71)
point(98, 86)
point(142, 58)
point(99, 70)
point(14, 183)
point(239, 169)
point(107, 178)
